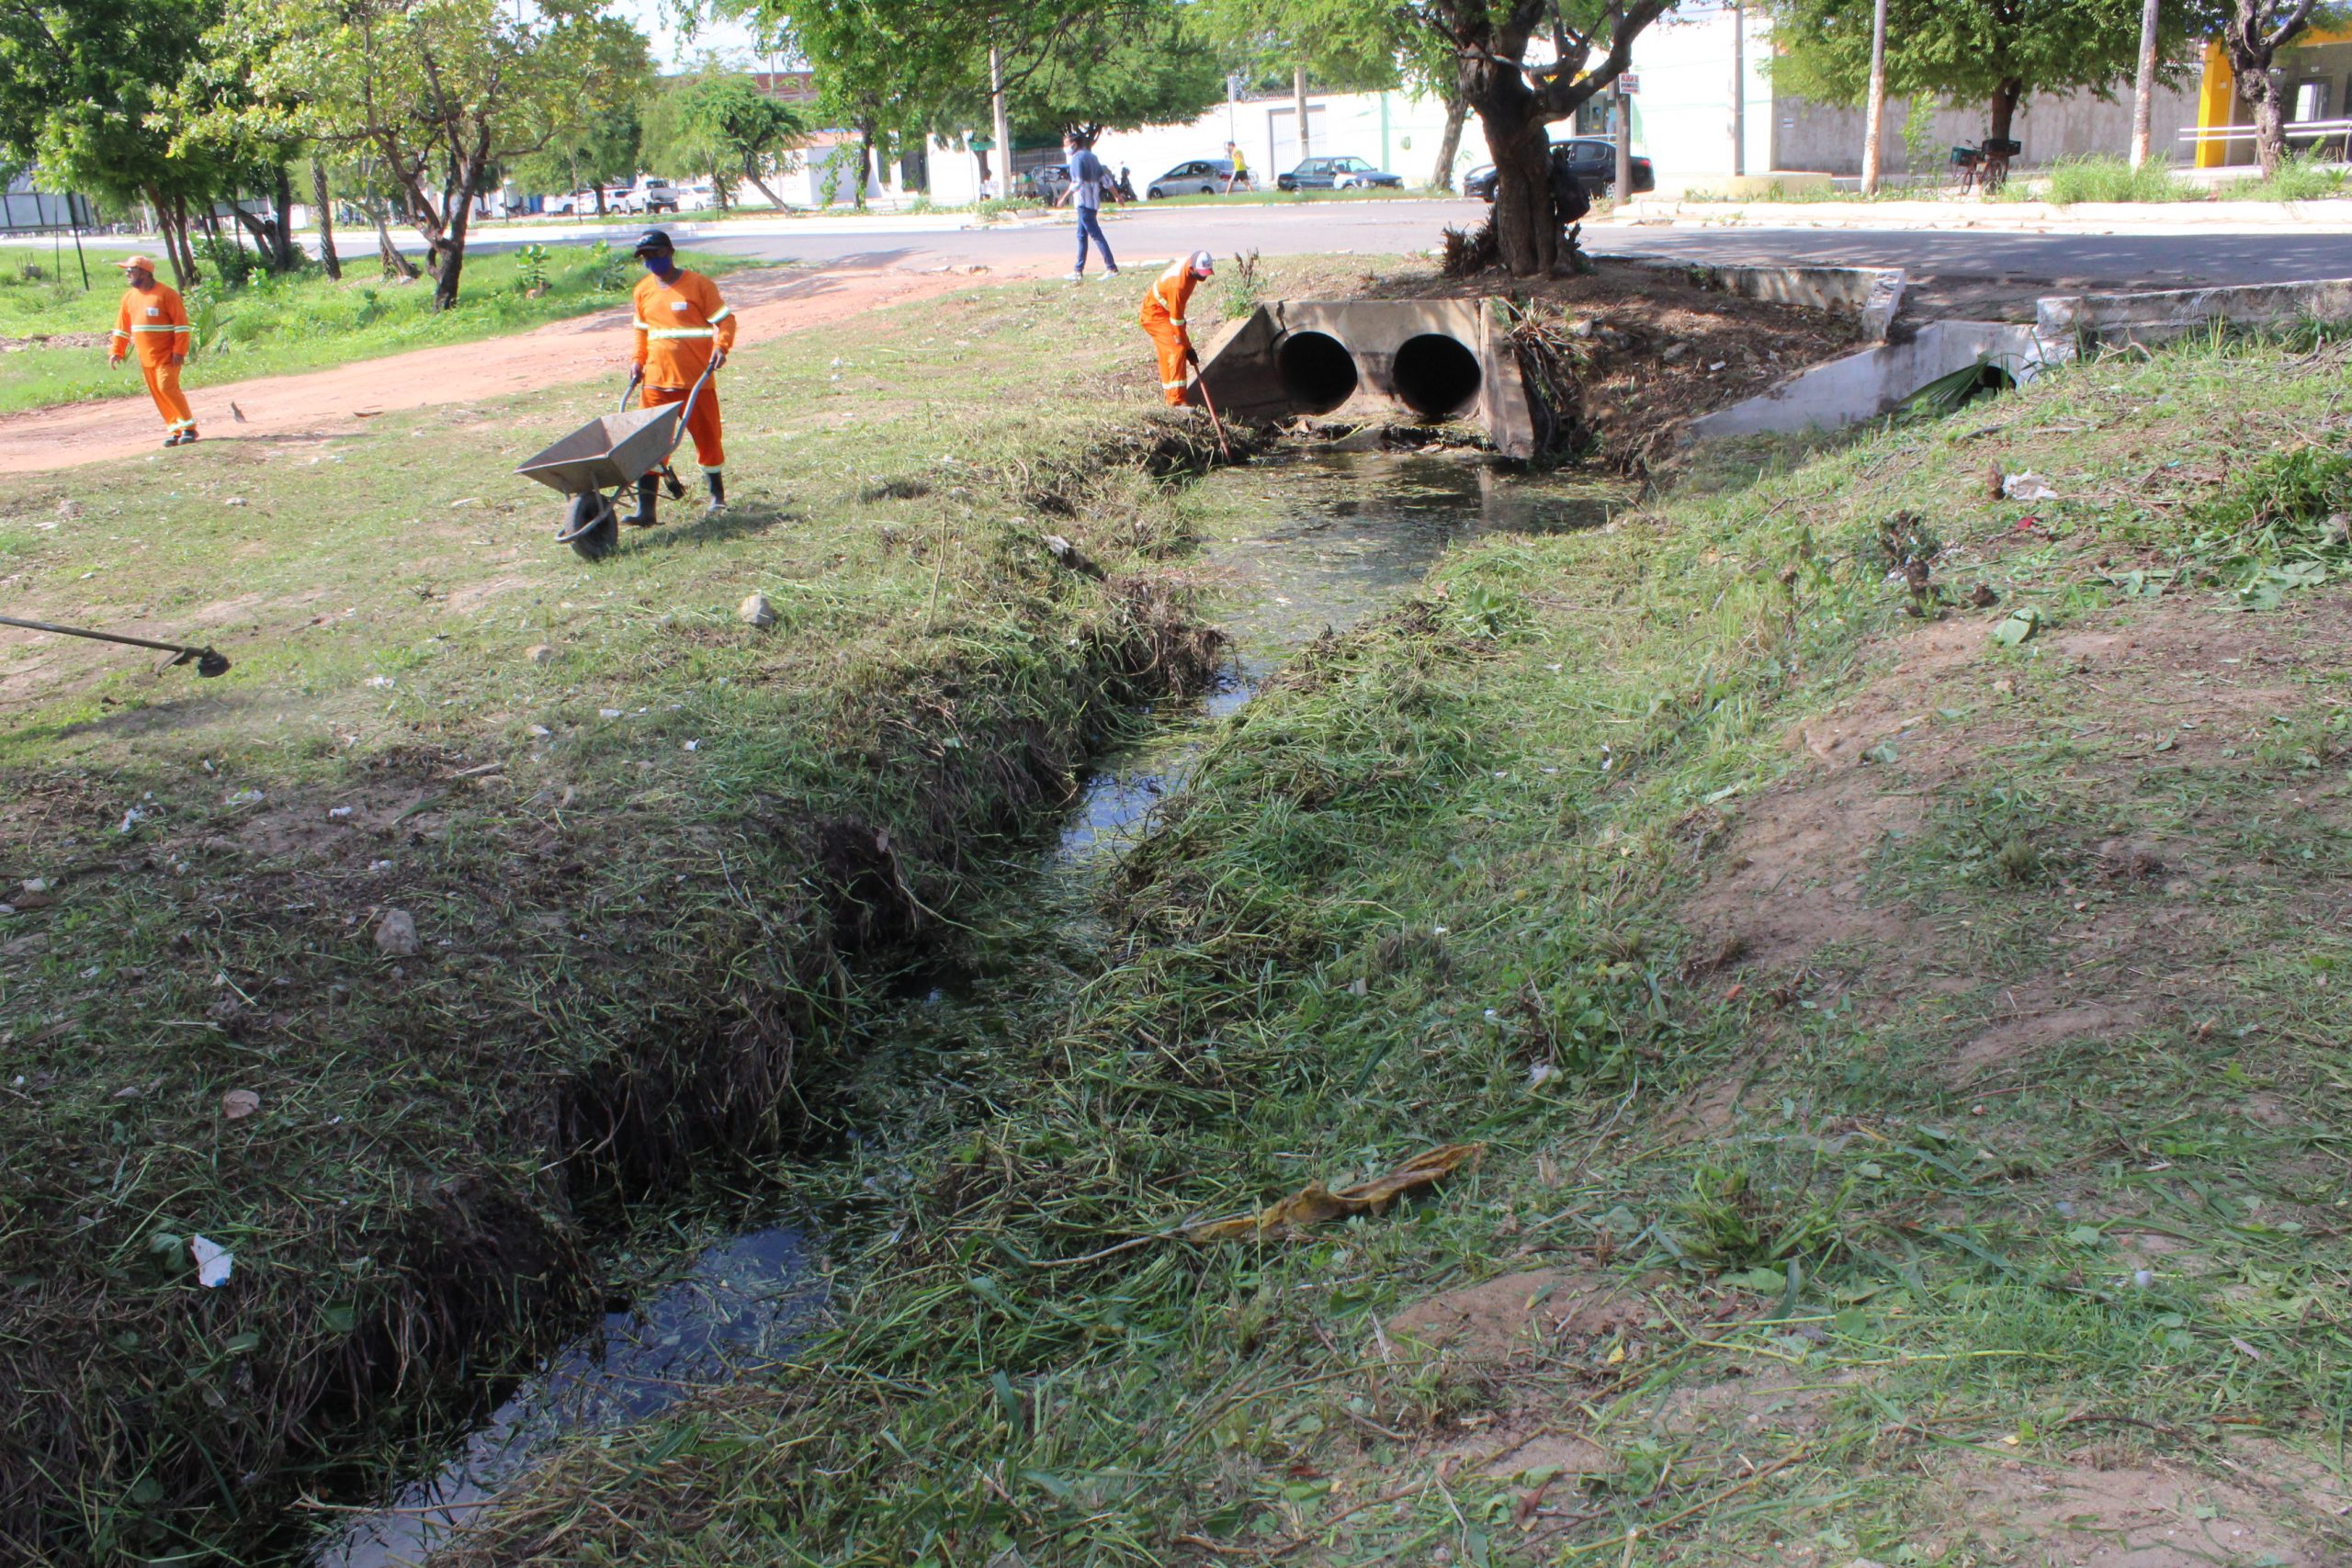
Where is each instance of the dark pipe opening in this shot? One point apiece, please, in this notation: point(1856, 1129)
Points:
point(1319, 373)
point(1436, 375)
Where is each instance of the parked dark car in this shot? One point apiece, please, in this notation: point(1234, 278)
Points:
point(1202, 176)
point(1337, 173)
point(1594, 158)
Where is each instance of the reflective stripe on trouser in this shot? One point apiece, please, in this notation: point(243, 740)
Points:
point(163, 386)
point(702, 424)
point(1172, 363)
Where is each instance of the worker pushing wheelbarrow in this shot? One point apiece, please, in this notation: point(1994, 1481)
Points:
point(683, 333)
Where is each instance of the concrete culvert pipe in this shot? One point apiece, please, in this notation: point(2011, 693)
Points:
point(1318, 372)
point(1436, 375)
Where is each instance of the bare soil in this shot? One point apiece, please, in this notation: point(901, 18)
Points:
point(768, 304)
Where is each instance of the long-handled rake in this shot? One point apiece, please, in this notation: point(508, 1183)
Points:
point(205, 660)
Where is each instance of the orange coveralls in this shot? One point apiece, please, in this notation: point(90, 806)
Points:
point(678, 322)
point(1163, 317)
point(154, 321)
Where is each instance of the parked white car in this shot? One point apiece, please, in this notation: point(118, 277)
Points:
point(650, 194)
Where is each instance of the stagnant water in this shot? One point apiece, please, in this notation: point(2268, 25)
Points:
point(1290, 547)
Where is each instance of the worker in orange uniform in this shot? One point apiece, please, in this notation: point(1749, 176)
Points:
point(1163, 317)
point(682, 328)
point(153, 320)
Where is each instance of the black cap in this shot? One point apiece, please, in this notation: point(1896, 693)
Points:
point(652, 240)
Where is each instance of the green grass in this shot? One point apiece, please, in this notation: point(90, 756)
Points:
point(642, 844)
point(306, 323)
point(2298, 179)
point(1448, 881)
point(2095, 177)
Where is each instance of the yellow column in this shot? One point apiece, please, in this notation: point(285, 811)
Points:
point(2216, 103)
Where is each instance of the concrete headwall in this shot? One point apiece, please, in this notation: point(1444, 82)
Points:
point(1869, 294)
point(1875, 381)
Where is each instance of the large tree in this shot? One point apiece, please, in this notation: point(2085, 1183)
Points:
point(92, 92)
point(1119, 71)
point(1519, 90)
point(440, 93)
point(1996, 52)
point(719, 125)
point(604, 154)
point(2253, 31)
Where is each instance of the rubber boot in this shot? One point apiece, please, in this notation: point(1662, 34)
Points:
point(718, 483)
point(673, 483)
point(643, 517)
point(187, 436)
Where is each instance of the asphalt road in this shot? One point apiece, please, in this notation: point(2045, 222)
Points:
point(1956, 271)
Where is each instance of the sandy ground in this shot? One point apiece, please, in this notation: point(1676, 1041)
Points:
point(770, 304)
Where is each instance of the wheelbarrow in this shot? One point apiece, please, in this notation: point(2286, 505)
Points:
point(611, 454)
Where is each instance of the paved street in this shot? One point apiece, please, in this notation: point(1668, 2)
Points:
point(1952, 271)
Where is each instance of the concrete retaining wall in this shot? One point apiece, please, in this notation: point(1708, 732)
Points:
point(2064, 320)
point(1869, 294)
point(1875, 381)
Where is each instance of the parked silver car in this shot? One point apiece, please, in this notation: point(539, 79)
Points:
point(1202, 176)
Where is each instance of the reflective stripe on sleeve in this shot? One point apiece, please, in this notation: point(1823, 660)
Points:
point(1175, 320)
point(119, 332)
point(724, 311)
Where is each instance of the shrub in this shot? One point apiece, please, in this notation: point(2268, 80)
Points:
point(2102, 178)
point(2300, 178)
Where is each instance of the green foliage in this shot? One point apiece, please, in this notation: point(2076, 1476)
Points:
point(1972, 50)
point(720, 126)
point(531, 267)
point(1119, 71)
point(229, 263)
point(2102, 177)
point(2303, 177)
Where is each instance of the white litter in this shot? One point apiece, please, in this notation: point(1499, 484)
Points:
point(130, 819)
point(2027, 486)
point(213, 1261)
point(247, 798)
point(338, 812)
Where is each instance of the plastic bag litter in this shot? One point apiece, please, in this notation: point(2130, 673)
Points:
point(1315, 1203)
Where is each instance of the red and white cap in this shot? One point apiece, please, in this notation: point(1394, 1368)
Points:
point(1204, 265)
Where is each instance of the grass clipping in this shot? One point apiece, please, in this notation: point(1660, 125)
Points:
point(1316, 1204)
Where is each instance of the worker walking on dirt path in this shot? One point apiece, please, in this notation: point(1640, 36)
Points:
point(682, 328)
point(1163, 317)
point(153, 320)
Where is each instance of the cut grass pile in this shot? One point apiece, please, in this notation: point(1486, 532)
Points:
point(1907, 1052)
point(641, 843)
point(273, 325)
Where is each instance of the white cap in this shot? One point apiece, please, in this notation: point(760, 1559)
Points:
point(1203, 263)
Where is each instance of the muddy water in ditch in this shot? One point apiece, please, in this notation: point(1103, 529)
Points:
point(1289, 548)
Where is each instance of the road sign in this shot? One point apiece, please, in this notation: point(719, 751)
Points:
point(1628, 85)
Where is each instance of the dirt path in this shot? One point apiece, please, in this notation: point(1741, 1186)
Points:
point(770, 304)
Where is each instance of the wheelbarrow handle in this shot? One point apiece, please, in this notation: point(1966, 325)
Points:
point(636, 380)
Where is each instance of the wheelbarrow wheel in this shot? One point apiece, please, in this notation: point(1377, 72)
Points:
point(591, 526)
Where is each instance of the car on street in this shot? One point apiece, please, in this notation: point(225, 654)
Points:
point(652, 194)
point(1047, 181)
point(1201, 176)
point(1337, 173)
point(1594, 158)
point(572, 204)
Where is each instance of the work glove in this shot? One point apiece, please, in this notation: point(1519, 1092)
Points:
point(719, 359)
point(114, 361)
point(178, 360)
point(1192, 356)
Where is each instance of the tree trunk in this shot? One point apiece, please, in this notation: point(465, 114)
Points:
point(1527, 234)
point(163, 233)
point(285, 249)
point(2005, 108)
point(600, 202)
point(2269, 119)
point(326, 203)
point(451, 249)
point(395, 264)
point(179, 231)
point(2143, 86)
point(1450, 144)
point(865, 159)
point(751, 173)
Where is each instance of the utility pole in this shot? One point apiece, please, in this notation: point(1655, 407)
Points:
point(1875, 114)
point(1001, 123)
point(1738, 87)
point(1298, 101)
point(1624, 188)
point(2143, 95)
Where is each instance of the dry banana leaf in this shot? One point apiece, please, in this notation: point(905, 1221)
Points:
point(1315, 1202)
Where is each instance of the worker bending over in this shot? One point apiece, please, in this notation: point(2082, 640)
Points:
point(1163, 317)
point(682, 328)
point(154, 321)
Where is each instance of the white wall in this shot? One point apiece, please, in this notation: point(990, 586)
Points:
point(1682, 112)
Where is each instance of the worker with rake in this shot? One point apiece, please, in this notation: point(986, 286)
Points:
point(682, 329)
point(153, 320)
point(1163, 317)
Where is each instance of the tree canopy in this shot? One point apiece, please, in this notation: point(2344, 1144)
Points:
point(719, 125)
point(1998, 53)
point(440, 93)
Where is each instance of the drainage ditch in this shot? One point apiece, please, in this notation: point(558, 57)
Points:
point(1291, 546)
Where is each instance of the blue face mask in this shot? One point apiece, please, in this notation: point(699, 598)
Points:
point(660, 264)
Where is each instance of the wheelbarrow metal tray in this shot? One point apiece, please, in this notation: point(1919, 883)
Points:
point(615, 449)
